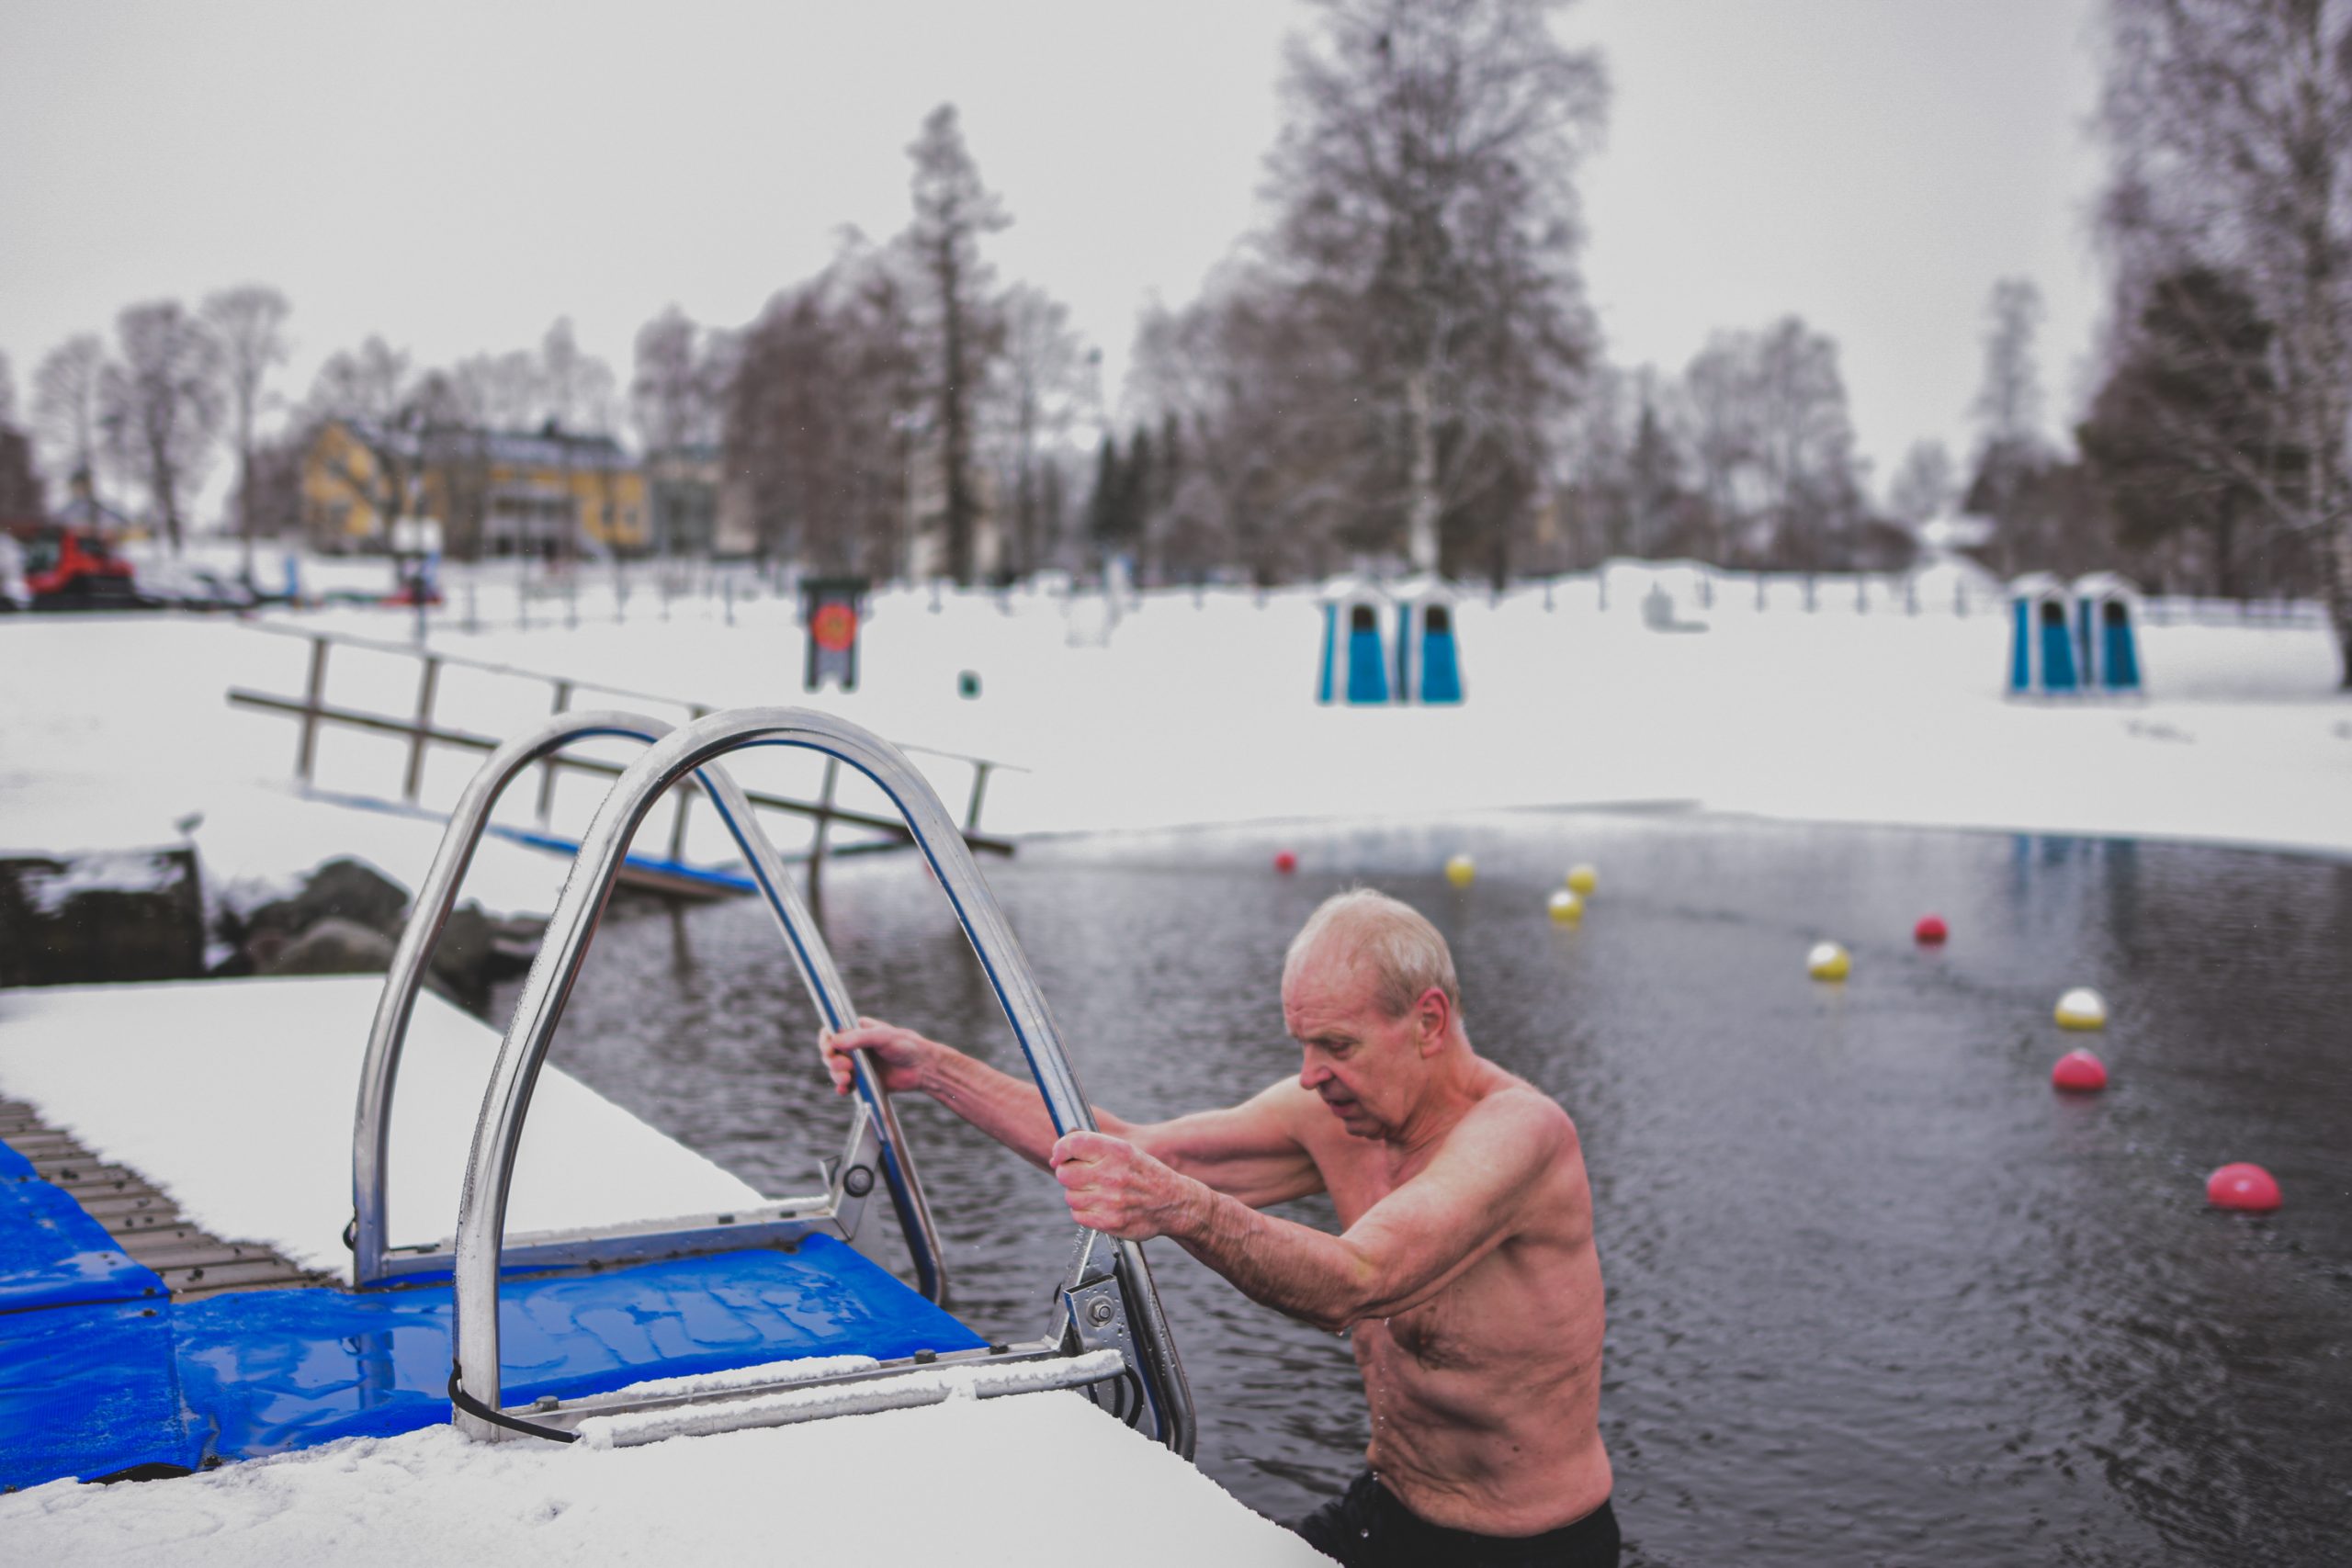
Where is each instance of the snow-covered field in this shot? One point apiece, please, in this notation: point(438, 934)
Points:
point(1185, 708)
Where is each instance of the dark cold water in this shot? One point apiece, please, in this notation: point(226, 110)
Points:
point(1877, 1295)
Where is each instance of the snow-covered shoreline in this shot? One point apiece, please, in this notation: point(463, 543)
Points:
point(1197, 709)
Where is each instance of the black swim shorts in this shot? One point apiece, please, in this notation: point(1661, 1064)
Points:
point(1366, 1528)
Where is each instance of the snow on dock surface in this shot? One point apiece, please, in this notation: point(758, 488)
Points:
point(236, 1097)
point(1010, 1481)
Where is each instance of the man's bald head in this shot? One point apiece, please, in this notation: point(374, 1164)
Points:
point(1387, 940)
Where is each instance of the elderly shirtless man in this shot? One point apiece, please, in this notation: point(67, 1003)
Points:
point(1466, 1273)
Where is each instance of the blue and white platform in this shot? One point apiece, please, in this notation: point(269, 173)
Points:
point(603, 1292)
point(324, 1408)
point(235, 1097)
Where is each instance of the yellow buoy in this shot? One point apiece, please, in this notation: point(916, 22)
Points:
point(2082, 1008)
point(1567, 907)
point(1461, 870)
point(1583, 879)
point(1828, 960)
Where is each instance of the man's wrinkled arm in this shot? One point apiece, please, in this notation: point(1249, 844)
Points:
point(1248, 1151)
point(1007, 1108)
point(1407, 1247)
point(1245, 1149)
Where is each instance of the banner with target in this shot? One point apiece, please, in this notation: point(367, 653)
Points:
point(831, 609)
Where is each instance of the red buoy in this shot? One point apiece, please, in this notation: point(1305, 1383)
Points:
point(1930, 929)
point(2246, 1186)
point(1285, 862)
point(2080, 1072)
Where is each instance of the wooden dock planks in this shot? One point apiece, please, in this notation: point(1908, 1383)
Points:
point(142, 1219)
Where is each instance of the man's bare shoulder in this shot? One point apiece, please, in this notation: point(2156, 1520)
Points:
point(1532, 1123)
point(1516, 1110)
point(1532, 1139)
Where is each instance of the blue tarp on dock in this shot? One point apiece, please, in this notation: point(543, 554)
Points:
point(88, 1391)
point(52, 1254)
point(270, 1370)
point(101, 1372)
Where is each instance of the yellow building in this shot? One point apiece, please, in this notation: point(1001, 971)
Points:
point(494, 493)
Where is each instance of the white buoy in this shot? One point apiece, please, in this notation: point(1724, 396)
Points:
point(2082, 1008)
point(1828, 960)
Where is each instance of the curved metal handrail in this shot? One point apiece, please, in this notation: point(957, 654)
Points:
point(489, 1168)
point(371, 1132)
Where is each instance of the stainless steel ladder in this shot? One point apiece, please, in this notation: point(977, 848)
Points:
point(1107, 1333)
point(874, 1140)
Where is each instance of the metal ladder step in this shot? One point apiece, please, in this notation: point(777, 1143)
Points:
point(790, 1400)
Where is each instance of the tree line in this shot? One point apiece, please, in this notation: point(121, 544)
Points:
point(148, 409)
point(2211, 455)
point(898, 394)
point(1399, 365)
point(2220, 427)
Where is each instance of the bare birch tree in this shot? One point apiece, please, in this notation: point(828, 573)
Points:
point(2189, 408)
point(2008, 403)
point(249, 323)
point(1723, 438)
point(2230, 127)
point(1262, 391)
point(1041, 381)
point(577, 389)
point(1804, 445)
point(498, 392)
point(1773, 443)
point(369, 384)
point(371, 393)
point(162, 396)
point(20, 488)
point(2011, 448)
point(66, 409)
point(1425, 182)
point(672, 395)
point(580, 398)
point(1925, 483)
point(819, 410)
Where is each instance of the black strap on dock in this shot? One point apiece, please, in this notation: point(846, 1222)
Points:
point(472, 1406)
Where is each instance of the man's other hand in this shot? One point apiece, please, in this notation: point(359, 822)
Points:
point(1116, 1187)
point(895, 1054)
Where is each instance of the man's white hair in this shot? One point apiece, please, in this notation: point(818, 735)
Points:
point(1402, 951)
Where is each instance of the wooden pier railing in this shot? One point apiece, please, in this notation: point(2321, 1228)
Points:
point(423, 730)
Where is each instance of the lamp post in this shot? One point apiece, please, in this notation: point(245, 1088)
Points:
point(416, 543)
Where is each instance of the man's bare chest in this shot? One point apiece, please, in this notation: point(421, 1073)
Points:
point(1501, 1309)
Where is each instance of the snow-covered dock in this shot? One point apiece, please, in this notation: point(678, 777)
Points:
point(984, 1484)
point(235, 1098)
point(242, 1111)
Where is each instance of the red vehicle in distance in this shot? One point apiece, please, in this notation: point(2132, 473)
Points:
point(69, 568)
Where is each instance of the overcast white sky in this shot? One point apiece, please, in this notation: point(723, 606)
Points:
point(457, 177)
